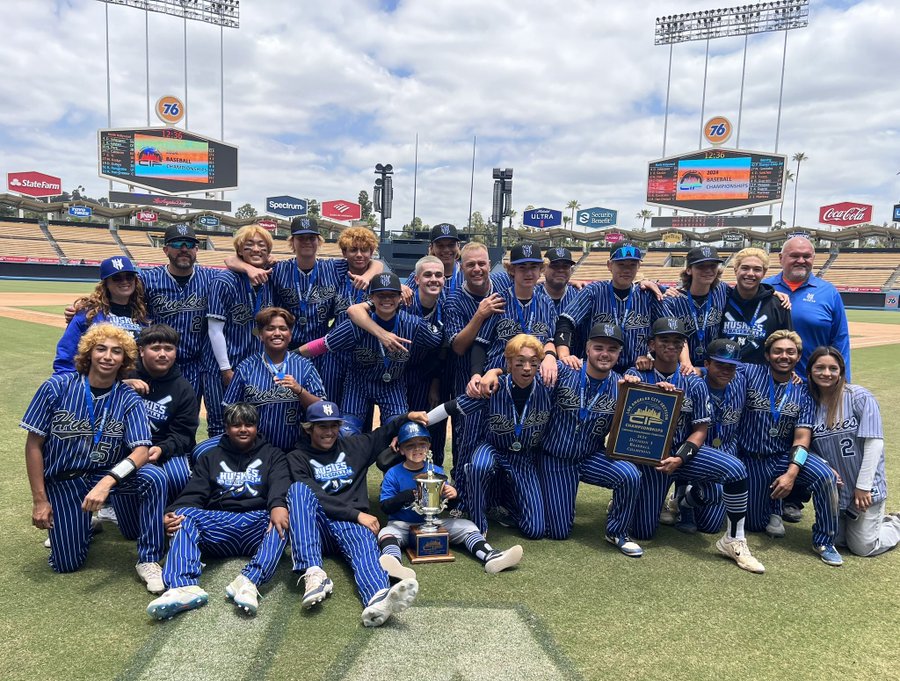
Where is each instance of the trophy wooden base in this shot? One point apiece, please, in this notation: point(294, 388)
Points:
point(429, 547)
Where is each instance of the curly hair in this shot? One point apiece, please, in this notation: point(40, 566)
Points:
point(97, 334)
point(357, 236)
point(99, 301)
point(784, 334)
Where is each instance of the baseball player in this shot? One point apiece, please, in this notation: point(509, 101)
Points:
point(690, 459)
point(376, 375)
point(234, 505)
point(329, 510)
point(280, 384)
point(445, 244)
point(177, 295)
point(398, 492)
point(619, 301)
point(170, 403)
point(773, 442)
point(557, 274)
point(234, 302)
point(87, 441)
point(849, 436)
point(117, 299)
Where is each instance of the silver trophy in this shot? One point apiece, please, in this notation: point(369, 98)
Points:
point(429, 502)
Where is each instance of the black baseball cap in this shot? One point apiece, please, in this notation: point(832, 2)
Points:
point(559, 255)
point(304, 225)
point(522, 253)
point(444, 230)
point(724, 350)
point(703, 254)
point(607, 330)
point(668, 325)
point(626, 252)
point(180, 232)
point(388, 281)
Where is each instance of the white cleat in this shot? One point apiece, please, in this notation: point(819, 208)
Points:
point(177, 600)
point(739, 552)
point(389, 602)
point(151, 575)
point(318, 587)
point(244, 594)
point(498, 561)
point(395, 568)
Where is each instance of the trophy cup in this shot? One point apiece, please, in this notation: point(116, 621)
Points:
point(429, 542)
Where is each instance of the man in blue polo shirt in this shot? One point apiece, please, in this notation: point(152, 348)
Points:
point(817, 310)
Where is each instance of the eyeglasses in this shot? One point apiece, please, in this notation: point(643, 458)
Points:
point(182, 243)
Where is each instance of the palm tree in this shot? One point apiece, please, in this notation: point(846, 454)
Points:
point(643, 216)
point(799, 157)
point(789, 177)
point(573, 205)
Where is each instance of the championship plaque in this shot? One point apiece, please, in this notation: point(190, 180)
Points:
point(644, 423)
point(429, 542)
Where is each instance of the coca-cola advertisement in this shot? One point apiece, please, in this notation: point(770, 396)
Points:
point(845, 214)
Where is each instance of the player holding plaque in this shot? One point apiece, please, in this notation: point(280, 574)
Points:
point(690, 458)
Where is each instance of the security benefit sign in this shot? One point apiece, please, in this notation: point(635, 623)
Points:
point(542, 218)
point(644, 423)
point(716, 180)
point(596, 218)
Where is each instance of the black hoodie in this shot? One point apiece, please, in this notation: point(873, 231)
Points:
point(338, 476)
point(173, 411)
point(226, 479)
point(770, 317)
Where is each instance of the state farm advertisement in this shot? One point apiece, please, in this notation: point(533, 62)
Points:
point(33, 183)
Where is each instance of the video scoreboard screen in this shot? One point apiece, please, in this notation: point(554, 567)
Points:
point(168, 160)
point(716, 180)
point(709, 221)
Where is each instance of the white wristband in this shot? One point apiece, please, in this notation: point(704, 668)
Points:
point(123, 469)
point(438, 414)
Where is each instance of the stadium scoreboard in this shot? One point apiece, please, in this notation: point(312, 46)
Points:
point(716, 180)
point(709, 221)
point(167, 160)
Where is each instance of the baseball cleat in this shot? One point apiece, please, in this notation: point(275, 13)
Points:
point(47, 542)
point(498, 561)
point(244, 594)
point(151, 575)
point(395, 568)
point(107, 514)
point(389, 602)
point(686, 522)
point(318, 587)
point(739, 552)
point(177, 600)
point(829, 555)
point(775, 528)
point(502, 516)
point(669, 513)
point(792, 513)
point(626, 545)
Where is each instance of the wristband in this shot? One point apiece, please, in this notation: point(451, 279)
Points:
point(317, 347)
point(438, 414)
point(798, 455)
point(687, 451)
point(552, 354)
point(123, 469)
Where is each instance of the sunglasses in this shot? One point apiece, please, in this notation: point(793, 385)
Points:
point(182, 243)
point(123, 276)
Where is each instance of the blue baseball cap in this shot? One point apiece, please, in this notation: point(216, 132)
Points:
point(724, 350)
point(115, 265)
point(523, 253)
point(410, 430)
point(626, 252)
point(323, 411)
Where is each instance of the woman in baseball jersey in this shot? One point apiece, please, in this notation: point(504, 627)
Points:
point(118, 299)
point(847, 433)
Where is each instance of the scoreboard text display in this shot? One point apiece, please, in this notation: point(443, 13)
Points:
point(168, 160)
point(716, 180)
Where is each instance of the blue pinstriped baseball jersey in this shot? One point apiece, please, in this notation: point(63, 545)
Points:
point(701, 322)
point(797, 410)
point(568, 296)
point(458, 311)
point(452, 284)
point(582, 414)
point(727, 408)
point(59, 412)
point(311, 297)
point(184, 309)
point(597, 302)
point(539, 317)
point(233, 300)
point(695, 407)
point(347, 295)
point(280, 413)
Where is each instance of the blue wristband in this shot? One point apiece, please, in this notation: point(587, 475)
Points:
point(798, 455)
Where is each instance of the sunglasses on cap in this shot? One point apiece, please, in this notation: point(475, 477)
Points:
point(182, 243)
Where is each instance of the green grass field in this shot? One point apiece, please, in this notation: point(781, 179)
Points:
point(574, 609)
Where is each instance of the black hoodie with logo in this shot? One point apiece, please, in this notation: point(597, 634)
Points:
point(765, 309)
point(173, 411)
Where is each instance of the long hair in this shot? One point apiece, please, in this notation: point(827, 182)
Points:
point(687, 278)
point(834, 400)
point(94, 336)
point(99, 301)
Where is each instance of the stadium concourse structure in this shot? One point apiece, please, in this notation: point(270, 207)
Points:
point(54, 247)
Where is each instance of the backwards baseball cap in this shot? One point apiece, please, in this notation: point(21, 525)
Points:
point(668, 325)
point(703, 254)
point(522, 253)
point(444, 230)
point(724, 350)
point(388, 281)
point(626, 252)
point(410, 430)
point(114, 265)
point(607, 330)
point(323, 411)
point(304, 225)
point(559, 255)
point(180, 232)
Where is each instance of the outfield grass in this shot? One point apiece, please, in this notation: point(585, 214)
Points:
point(681, 611)
point(16, 285)
point(52, 309)
point(874, 316)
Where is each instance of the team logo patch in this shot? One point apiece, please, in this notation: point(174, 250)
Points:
point(304, 223)
point(672, 324)
point(445, 229)
point(182, 230)
point(117, 263)
point(810, 298)
point(327, 409)
point(526, 251)
point(706, 252)
point(560, 253)
point(385, 279)
point(609, 329)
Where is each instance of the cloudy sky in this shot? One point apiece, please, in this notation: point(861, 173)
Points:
point(569, 94)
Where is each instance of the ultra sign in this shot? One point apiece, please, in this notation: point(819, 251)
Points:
point(542, 217)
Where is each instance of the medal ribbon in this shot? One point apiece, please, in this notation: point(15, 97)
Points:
point(312, 277)
point(701, 328)
point(752, 323)
point(524, 323)
point(255, 297)
point(518, 421)
point(584, 412)
point(614, 301)
point(384, 358)
point(776, 410)
point(276, 369)
point(97, 430)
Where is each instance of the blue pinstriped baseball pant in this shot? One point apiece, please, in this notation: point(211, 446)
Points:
point(624, 479)
point(177, 470)
point(207, 383)
point(313, 534)
point(138, 501)
point(222, 534)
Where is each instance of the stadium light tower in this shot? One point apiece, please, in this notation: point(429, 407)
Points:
point(763, 17)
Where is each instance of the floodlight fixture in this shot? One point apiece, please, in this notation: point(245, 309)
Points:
point(225, 13)
point(763, 17)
